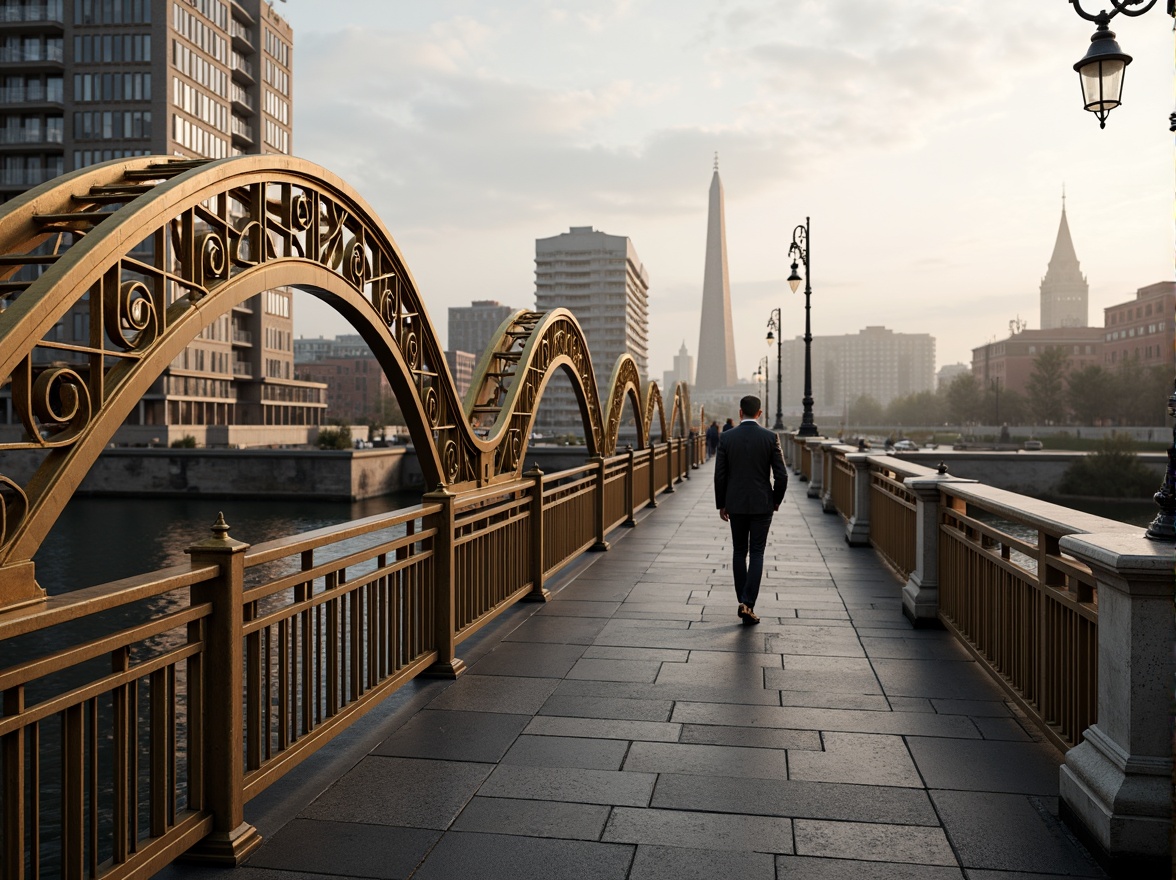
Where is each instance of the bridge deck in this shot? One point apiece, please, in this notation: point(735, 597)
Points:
point(631, 728)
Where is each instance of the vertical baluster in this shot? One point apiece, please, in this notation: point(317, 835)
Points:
point(34, 788)
point(172, 751)
point(304, 677)
point(266, 697)
point(285, 649)
point(157, 751)
point(253, 691)
point(73, 793)
point(12, 753)
point(195, 707)
point(133, 768)
point(356, 643)
point(92, 743)
point(331, 668)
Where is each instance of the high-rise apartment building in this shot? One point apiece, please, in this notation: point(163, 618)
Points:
point(471, 328)
point(87, 81)
point(600, 279)
point(875, 361)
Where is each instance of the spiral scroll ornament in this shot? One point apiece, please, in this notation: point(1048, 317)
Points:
point(301, 212)
point(14, 504)
point(58, 408)
point(213, 257)
point(355, 263)
point(132, 320)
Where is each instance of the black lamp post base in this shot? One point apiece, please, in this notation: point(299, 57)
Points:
point(1163, 528)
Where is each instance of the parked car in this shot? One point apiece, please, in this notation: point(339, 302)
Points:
point(906, 446)
point(1033, 445)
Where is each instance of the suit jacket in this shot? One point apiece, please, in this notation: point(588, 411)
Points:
point(750, 477)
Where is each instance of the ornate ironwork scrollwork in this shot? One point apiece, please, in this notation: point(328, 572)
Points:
point(132, 321)
point(311, 231)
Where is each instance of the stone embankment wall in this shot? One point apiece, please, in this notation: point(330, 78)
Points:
point(368, 473)
point(1027, 473)
point(265, 473)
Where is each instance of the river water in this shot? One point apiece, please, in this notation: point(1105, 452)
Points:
point(98, 540)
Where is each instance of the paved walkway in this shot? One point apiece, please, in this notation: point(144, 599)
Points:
point(632, 728)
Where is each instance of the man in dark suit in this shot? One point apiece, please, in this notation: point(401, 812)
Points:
point(750, 480)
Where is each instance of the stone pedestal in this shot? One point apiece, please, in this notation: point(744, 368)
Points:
point(816, 480)
point(920, 595)
point(828, 462)
point(857, 528)
point(1116, 786)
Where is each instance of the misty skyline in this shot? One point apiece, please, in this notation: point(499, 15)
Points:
point(929, 141)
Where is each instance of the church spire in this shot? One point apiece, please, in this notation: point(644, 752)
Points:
point(1064, 290)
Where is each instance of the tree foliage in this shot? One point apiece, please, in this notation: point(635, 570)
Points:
point(1047, 385)
point(866, 411)
point(965, 402)
point(337, 437)
point(1114, 471)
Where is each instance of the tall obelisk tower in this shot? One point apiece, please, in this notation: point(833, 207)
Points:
point(716, 338)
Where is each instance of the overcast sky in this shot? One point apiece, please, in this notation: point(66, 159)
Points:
point(928, 139)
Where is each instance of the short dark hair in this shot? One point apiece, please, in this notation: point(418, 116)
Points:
point(749, 406)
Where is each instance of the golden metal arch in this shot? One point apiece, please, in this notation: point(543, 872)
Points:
point(157, 249)
point(625, 387)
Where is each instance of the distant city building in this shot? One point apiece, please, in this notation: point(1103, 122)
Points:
point(948, 373)
point(601, 280)
point(87, 82)
point(317, 348)
point(1008, 363)
point(716, 335)
point(1064, 291)
point(461, 367)
point(683, 371)
point(875, 361)
point(471, 328)
point(357, 390)
point(1142, 328)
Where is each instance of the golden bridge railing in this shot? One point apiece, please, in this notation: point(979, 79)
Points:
point(841, 486)
point(1025, 610)
point(893, 523)
point(209, 682)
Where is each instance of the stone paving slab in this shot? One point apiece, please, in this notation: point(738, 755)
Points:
point(633, 728)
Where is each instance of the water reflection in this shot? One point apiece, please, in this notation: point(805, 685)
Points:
point(97, 540)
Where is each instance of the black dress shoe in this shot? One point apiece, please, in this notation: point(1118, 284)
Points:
point(749, 617)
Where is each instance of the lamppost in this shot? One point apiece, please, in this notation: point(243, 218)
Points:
point(1101, 72)
point(761, 375)
point(1102, 68)
point(776, 326)
point(800, 250)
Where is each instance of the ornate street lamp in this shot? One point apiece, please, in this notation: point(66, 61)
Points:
point(761, 375)
point(1102, 67)
point(1101, 71)
point(775, 326)
point(800, 250)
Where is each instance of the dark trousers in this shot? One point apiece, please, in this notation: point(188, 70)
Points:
point(749, 533)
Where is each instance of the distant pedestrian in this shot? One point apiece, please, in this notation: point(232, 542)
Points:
point(712, 439)
point(750, 481)
point(730, 424)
